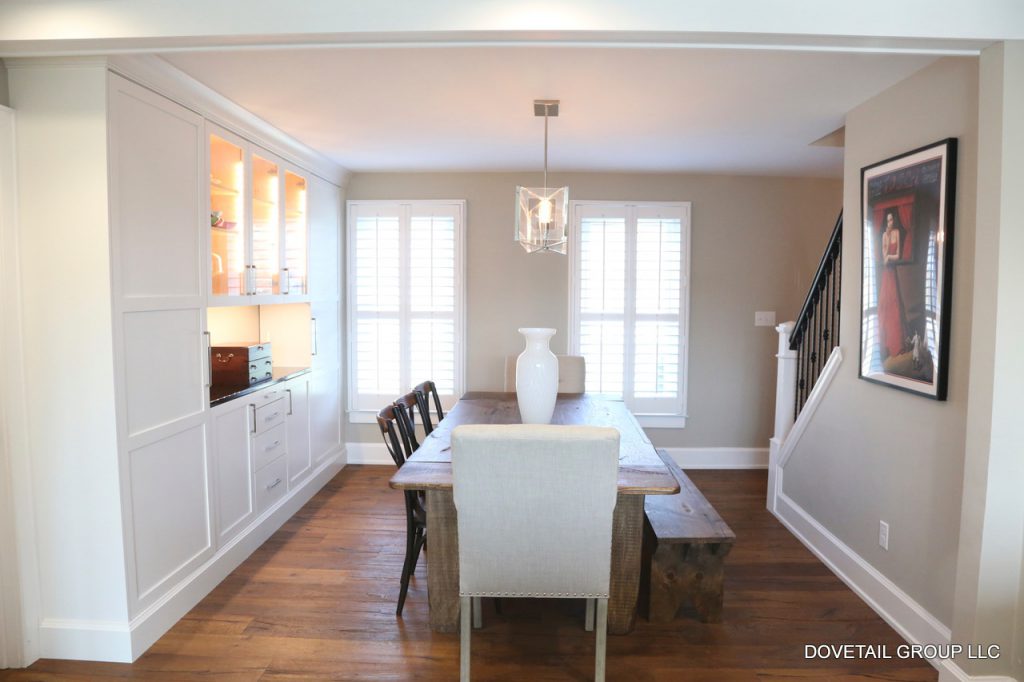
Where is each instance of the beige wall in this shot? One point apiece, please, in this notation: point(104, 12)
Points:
point(5, 100)
point(874, 453)
point(989, 571)
point(755, 244)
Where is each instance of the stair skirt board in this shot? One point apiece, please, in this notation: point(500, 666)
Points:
point(911, 620)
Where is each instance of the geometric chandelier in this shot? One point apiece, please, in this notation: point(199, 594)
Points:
point(542, 212)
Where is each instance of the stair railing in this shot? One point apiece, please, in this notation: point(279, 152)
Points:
point(816, 331)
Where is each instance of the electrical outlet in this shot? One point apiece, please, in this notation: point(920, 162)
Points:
point(883, 535)
point(764, 318)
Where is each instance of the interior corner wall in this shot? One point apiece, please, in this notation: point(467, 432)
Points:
point(755, 244)
point(65, 285)
point(874, 453)
point(5, 99)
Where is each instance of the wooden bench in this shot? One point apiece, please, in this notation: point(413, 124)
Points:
point(685, 545)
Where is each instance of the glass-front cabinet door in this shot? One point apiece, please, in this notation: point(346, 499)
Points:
point(266, 226)
point(227, 219)
point(294, 275)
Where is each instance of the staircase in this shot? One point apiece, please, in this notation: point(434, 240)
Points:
point(816, 331)
point(809, 357)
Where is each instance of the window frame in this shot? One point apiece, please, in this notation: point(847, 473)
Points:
point(630, 209)
point(407, 210)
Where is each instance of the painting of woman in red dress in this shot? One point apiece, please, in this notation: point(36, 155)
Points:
point(907, 209)
point(891, 315)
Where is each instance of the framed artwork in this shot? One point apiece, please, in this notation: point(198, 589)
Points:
point(907, 205)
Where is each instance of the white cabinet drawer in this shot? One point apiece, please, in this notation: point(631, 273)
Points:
point(266, 395)
point(270, 415)
point(271, 484)
point(269, 445)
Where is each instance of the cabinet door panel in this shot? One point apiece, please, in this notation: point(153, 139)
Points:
point(266, 225)
point(164, 367)
point(233, 470)
point(299, 459)
point(296, 234)
point(229, 257)
point(170, 514)
point(324, 233)
point(326, 342)
point(325, 414)
point(156, 148)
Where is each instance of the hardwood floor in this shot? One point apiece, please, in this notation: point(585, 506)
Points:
point(317, 602)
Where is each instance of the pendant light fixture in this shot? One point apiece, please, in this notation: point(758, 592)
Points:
point(542, 212)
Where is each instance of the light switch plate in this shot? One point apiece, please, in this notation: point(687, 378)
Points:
point(764, 318)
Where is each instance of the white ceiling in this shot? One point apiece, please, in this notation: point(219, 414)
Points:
point(623, 108)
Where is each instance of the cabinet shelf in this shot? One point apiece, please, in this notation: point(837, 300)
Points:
point(221, 191)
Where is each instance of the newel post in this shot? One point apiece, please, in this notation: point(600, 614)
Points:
point(785, 410)
point(785, 384)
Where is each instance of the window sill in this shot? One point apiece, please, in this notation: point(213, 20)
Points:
point(648, 421)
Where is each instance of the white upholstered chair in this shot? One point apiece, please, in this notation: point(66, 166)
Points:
point(535, 506)
point(572, 373)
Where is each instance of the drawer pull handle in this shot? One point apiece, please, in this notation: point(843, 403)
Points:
point(271, 417)
point(274, 484)
point(272, 446)
point(252, 366)
point(224, 360)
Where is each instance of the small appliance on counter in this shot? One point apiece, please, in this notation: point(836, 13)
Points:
point(241, 364)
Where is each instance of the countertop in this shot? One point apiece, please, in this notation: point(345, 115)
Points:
point(222, 394)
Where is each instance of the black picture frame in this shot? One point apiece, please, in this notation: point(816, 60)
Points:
point(908, 204)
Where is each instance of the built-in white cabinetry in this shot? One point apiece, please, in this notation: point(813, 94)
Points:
point(300, 459)
point(231, 437)
point(258, 224)
point(150, 495)
point(325, 308)
point(261, 449)
point(158, 318)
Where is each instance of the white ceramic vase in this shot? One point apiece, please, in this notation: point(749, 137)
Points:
point(537, 376)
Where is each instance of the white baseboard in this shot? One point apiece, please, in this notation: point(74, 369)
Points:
point(951, 672)
point(719, 458)
point(86, 640)
point(911, 620)
point(368, 453)
point(687, 458)
point(121, 642)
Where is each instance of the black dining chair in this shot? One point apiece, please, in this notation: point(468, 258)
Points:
point(394, 423)
point(410, 405)
point(424, 392)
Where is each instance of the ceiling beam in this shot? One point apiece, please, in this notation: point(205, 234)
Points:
point(64, 27)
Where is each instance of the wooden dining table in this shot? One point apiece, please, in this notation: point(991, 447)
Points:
point(641, 472)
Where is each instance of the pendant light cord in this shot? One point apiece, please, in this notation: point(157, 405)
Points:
point(546, 107)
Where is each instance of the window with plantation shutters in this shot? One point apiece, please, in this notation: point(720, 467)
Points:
point(630, 270)
point(406, 302)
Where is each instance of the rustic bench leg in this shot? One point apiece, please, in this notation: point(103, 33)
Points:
point(666, 592)
point(687, 572)
point(709, 591)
